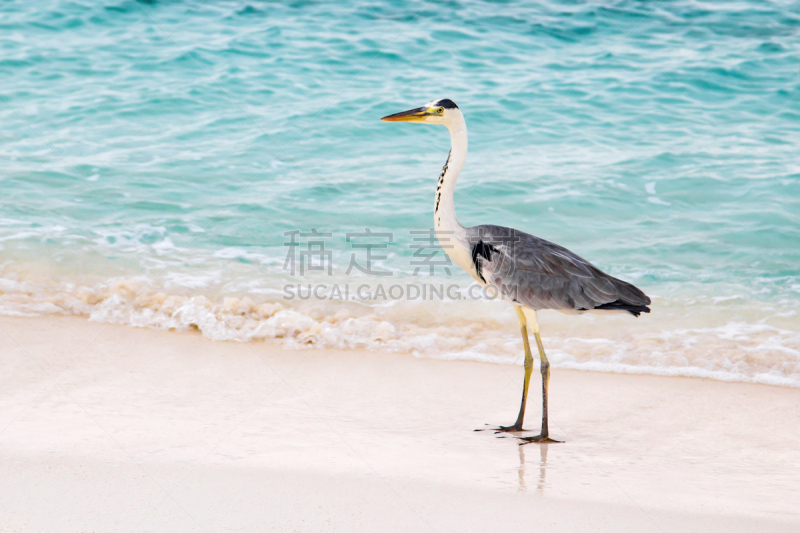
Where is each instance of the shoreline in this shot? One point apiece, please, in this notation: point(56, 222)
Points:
point(152, 430)
point(734, 348)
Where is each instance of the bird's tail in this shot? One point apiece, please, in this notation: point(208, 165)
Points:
point(619, 305)
point(631, 299)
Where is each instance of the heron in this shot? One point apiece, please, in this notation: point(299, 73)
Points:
point(530, 273)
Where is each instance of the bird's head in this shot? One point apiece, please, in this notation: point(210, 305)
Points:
point(442, 111)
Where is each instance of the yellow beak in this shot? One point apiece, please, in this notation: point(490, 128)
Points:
point(412, 115)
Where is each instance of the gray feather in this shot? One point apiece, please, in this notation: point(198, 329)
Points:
point(542, 275)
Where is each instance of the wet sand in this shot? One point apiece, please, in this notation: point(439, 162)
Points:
point(111, 428)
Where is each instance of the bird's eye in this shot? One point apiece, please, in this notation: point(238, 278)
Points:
point(440, 110)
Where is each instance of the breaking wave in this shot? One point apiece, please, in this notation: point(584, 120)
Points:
point(717, 340)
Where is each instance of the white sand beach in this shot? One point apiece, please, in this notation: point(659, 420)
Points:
point(111, 428)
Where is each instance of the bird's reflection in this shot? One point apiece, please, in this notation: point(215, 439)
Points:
point(542, 468)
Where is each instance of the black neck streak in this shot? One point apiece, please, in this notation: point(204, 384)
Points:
point(441, 182)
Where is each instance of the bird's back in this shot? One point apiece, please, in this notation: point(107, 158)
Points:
point(539, 274)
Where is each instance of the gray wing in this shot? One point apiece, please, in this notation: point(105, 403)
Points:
point(541, 275)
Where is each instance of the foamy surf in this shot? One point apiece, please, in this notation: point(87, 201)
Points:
point(675, 340)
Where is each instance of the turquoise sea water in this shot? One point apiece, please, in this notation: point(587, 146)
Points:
point(160, 151)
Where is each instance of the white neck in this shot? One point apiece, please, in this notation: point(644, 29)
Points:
point(444, 210)
point(452, 235)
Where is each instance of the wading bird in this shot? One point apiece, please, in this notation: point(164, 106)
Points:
point(529, 272)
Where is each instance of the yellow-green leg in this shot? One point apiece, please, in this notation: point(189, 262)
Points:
point(544, 436)
point(523, 324)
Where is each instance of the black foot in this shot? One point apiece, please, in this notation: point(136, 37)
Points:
point(508, 429)
point(503, 429)
point(537, 438)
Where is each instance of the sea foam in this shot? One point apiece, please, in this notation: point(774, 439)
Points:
point(662, 343)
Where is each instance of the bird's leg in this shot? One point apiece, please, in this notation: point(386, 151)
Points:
point(523, 323)
point(544, 436)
